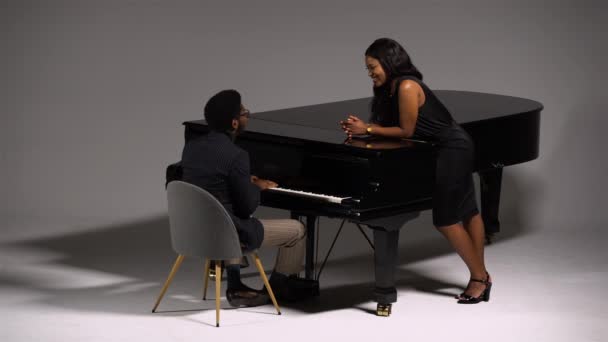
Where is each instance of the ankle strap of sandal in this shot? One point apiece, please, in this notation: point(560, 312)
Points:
point(480, 281)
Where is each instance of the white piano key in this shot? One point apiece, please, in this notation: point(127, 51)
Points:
point(327, 198)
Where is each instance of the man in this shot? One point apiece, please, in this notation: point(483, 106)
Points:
point(214, 162)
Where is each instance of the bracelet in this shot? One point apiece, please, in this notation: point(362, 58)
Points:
point(369, 129)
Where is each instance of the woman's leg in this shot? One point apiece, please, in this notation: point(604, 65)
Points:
point(475, 228)
point(461, 241)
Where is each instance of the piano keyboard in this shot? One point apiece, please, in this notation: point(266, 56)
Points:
point(325, 198)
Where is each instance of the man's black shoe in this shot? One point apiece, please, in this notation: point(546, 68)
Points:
point(246, 297)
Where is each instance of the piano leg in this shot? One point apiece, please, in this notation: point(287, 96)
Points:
point(310, 247)
point(490, 182)
point(385, 261)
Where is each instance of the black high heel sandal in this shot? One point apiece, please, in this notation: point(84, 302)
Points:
point(483, 297)
point(459, 296)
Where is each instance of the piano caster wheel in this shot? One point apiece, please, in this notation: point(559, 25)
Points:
point(383, 310)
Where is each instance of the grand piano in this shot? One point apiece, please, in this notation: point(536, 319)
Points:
point(375, 182)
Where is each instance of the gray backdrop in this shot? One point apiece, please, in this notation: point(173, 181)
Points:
point(94, 92)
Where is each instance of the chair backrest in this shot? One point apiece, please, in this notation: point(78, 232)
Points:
point(200, 226)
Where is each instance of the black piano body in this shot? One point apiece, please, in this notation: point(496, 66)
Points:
point(304, 148)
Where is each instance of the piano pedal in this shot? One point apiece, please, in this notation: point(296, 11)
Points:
point(383, 310)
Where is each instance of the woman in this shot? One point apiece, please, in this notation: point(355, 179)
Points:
point(404, 107)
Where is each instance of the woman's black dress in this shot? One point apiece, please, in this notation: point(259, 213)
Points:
point(454, 193)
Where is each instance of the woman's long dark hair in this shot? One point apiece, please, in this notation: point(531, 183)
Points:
point(396, 63)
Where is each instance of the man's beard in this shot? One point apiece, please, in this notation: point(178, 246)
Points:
point(239, 129)
point(236, 132)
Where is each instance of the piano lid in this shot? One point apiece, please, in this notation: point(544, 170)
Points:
point(319, 122)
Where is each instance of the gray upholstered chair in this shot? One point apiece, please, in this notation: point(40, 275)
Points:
point(201, 227)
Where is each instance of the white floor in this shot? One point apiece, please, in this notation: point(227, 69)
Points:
point(99, 285)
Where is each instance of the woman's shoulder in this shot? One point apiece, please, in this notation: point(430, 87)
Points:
point(411, 79)
point(407, 85)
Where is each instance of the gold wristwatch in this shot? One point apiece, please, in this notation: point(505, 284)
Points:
point(369, 129)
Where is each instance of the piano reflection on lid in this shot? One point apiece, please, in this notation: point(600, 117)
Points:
point(379, 143)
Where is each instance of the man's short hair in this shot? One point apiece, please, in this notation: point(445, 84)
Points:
point(222, 108)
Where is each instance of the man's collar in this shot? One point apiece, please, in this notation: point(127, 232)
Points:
point(230, 135)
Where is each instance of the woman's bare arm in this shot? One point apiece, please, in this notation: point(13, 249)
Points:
point(411, 97)
point(409, 102)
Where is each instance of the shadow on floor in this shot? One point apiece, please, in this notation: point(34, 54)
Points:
point(140, 255)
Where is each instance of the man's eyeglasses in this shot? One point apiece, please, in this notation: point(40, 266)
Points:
point(246, 113)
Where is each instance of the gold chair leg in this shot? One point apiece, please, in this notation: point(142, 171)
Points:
point(218, 284)
point(176, 265)
point(207, 263)
point(258, 264)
